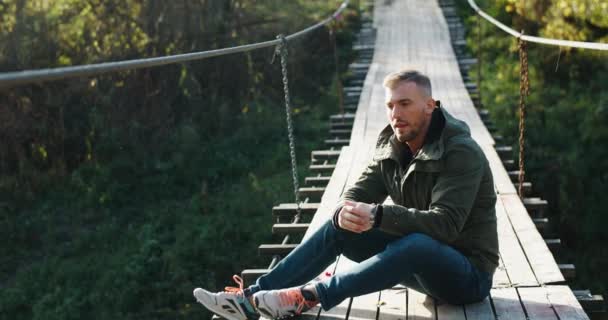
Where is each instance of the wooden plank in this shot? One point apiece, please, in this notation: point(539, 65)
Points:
point(337, 142)
point(509, 164)
point(536, 303)
point(251, 275)
point(338, 125)
point(535, 206)
point(540, 258)
point(502, 182)
point(590, 302)
point(565, 303)
point(449, 311)
point(290, 209)
point(393, 304)
point(314, 193)
point(317, 181)
point(365, 306)
point(554, 245)
point(501, 278)
point(480, 310)
point(278, 249)
point(419, 307)
point(325, 154)
point(506, 304)
point(540, 223)
point(515, 262)
point(289, 228)
point(322, 168)
point(568, 270)
point(527, 186)
point(340, 117)
point(341, 133)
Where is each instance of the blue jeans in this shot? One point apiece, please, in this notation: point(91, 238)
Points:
point(416, 260)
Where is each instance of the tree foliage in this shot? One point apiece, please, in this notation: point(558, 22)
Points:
point(121, 193)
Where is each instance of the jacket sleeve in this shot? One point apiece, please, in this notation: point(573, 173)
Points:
point(369, 188)
point(452, 198)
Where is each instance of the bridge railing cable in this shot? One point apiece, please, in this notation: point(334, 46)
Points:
point(11, 79)
point(541, 40)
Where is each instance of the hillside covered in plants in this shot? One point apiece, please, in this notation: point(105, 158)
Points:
point(121, 193)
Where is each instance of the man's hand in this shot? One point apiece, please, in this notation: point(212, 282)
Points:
point(355, 216)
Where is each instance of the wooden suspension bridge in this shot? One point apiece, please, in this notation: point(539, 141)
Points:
point(428, 36)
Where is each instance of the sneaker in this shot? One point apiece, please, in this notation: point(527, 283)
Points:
point(230, 304)
point(276, 304)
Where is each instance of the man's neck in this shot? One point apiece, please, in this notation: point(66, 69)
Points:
point(417, 142)
point(414, 147)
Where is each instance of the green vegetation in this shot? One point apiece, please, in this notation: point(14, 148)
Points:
point(567, 111)
point(119, 194)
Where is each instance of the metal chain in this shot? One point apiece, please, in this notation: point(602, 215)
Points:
point(332, 39)
point(281, 50)
point(524, 90)
point(479, 43)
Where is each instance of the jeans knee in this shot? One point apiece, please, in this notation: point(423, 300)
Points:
point(419, 237)
point(414, 246)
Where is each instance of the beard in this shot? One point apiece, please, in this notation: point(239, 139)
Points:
point(405, 136)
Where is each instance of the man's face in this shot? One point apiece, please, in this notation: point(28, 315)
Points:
point(408, 110)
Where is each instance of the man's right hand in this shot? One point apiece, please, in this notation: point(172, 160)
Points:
point(355, 216)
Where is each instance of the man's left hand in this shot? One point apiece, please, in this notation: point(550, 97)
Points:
point(361, 210)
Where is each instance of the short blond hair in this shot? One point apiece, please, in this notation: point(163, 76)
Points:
point(422, 81)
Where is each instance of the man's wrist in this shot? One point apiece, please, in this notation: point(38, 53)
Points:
point(336, 217)
point(376, 215)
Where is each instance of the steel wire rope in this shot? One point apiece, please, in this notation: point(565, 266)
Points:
point(10, 79)
point(541, 40)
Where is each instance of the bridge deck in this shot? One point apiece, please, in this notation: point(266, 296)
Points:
point(414, 34)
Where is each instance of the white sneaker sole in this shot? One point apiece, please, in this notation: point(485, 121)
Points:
point(209, 300)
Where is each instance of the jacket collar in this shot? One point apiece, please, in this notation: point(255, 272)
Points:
point(387, 144)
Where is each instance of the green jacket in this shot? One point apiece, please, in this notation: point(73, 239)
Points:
point(445, 192)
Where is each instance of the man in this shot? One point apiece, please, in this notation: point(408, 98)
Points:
point(438, 238)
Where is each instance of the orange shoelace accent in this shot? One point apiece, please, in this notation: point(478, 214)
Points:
point(236, 290)
point(294, 297)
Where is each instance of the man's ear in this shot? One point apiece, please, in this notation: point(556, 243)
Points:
point(430, 105)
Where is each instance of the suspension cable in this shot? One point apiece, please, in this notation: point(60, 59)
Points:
point(524, 90)
point(10, 79)
point(548, 41)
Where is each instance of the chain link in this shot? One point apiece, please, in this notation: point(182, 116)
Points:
point(281, 50)
point(479, 43)
point(524, 90)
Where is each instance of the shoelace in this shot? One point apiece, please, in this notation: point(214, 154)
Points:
point(239, 290)
point(293, 297)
